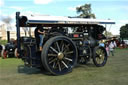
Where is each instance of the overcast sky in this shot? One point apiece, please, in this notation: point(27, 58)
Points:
point(103, 9)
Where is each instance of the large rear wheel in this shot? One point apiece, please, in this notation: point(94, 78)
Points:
point(59, 55)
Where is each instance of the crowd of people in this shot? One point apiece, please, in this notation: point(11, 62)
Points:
point(109, 46)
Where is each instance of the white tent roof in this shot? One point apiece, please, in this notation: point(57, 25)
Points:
point(64, 20)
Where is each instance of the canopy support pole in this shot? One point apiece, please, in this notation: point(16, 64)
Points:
point(18, 32)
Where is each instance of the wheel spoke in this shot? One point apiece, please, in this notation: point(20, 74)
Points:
point(62, 49)
point(98, 52)
point(59, 66)
point(68, 59)
point(54, 50)
point(53, 60)
point(99, 60)
point(66, 53)
point(55, 55)
point(54, 64)
point(58, 46)
point(66, 47)
point(62, 45)
point(103, 54)
point(50, 58)
point(64, 64)
point(102, 57)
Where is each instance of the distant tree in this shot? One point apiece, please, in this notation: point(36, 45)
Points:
point(108, 34)
point(85, 11)
point(124, 31)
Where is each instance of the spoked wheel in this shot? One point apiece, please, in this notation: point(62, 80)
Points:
point(59, 55)
point(4, 54)
point(87, 55)
point(99, 56)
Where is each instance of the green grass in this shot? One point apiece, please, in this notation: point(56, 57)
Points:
point(115, 72)
point(3, 42)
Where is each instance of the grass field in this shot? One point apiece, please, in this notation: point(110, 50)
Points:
point(13, 72)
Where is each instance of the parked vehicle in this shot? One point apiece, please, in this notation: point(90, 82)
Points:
point(62, 50)
point(9, 50)
point(2, 47)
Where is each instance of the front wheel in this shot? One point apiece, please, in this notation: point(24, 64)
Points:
point(59, 55)
point(99, 56)
point(4, 54)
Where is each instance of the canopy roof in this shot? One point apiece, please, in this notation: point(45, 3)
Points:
point(59, 20)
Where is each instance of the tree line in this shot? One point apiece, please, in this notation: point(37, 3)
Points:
point(124, 32)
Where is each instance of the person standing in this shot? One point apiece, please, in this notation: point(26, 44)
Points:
point(111, 48)
point(115, 45)
point(41, 35)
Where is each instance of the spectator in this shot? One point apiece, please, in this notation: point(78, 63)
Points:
point(111, 47)
point(115, 45)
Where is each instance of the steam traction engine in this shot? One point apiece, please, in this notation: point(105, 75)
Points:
point(62, 49)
